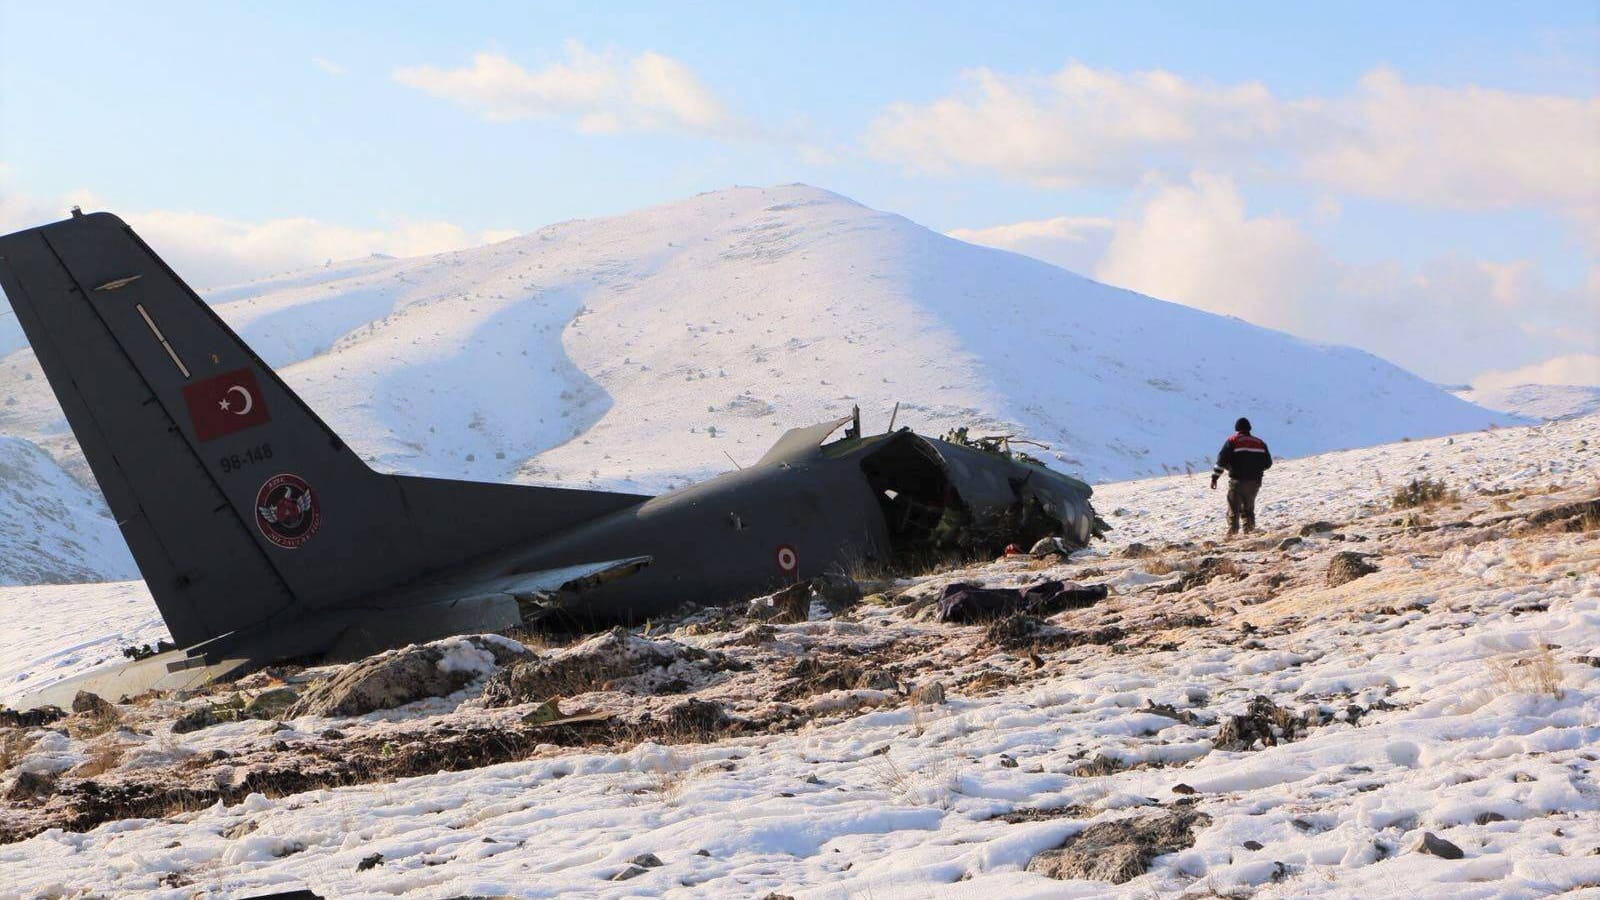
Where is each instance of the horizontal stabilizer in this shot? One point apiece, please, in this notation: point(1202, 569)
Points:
point(568, 578)
point(174, 670)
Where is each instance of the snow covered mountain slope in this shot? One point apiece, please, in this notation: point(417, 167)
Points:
point(1538, 401)
point(53, 530)
point(644, 350)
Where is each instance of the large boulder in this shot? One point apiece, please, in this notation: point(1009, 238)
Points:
point(413, 673)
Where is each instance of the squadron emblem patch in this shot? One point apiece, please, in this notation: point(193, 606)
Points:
point(287, 512)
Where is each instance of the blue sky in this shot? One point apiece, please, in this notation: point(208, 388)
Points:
point(260, 113)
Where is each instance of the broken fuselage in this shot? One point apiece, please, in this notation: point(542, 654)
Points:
point(883, 502)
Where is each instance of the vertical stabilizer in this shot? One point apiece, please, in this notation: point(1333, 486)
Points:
point(240, 505)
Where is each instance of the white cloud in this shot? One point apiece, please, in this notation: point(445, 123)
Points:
point(1077, 126)
point(1574, 368)
point(329, 67)
point(209, 250)
point(1460, 148)
point(598, 91)
point(1072, 242)
point(1194, 242)
point(1468, 148)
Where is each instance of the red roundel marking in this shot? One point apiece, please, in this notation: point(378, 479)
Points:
point(788, 560)
point(288, 511)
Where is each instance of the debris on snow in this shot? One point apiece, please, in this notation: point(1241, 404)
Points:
point(965, 604)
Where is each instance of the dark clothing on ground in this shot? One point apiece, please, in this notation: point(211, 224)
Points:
point(966, 603)
point(1242, 504)
point(1244, 456)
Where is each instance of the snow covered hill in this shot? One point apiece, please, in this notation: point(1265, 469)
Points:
point(640, 351)
point(1537, 401)
point(53, 530)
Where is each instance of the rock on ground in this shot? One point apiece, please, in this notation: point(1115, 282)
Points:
point(403, 676)
point(1264, 723)
point(1346, 567)
point(1433, 845)
point(92, 704)
point(1119, 850)
point(618, 654)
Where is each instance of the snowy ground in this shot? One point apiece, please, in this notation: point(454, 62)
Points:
point(1538, 401)
point(1464, 661)
point(53, 530)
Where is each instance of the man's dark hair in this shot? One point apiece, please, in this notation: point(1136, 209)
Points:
point(1242, 426)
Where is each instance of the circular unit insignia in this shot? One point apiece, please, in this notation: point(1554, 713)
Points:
point(287, 511)
point(788, 560)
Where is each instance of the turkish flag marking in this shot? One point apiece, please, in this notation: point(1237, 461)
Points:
point(222, 405)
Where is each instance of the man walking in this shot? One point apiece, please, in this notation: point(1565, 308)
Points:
point(1244, 457)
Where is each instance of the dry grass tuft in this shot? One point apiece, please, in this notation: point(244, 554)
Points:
point(1528, 673)
point(84, 726)
point(667, 783)
point(1423, 491)
point(530, 637)
point(14, 745)
point(919, 717)
point(103, 757)
point(933, 783)
point(1158, 567)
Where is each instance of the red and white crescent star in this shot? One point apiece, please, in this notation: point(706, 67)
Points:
point(249, 402)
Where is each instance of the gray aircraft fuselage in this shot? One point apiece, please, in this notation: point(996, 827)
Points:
point(805, 508)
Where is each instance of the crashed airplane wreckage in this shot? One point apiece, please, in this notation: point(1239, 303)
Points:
point(263, 537)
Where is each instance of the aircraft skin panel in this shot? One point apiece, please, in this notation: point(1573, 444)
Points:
point(461, 519)
point(738, 536)
point(799, 444)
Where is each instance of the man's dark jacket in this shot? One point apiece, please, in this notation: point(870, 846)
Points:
point(1244, 457)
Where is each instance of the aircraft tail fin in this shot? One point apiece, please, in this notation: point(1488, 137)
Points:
point(240, 506)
